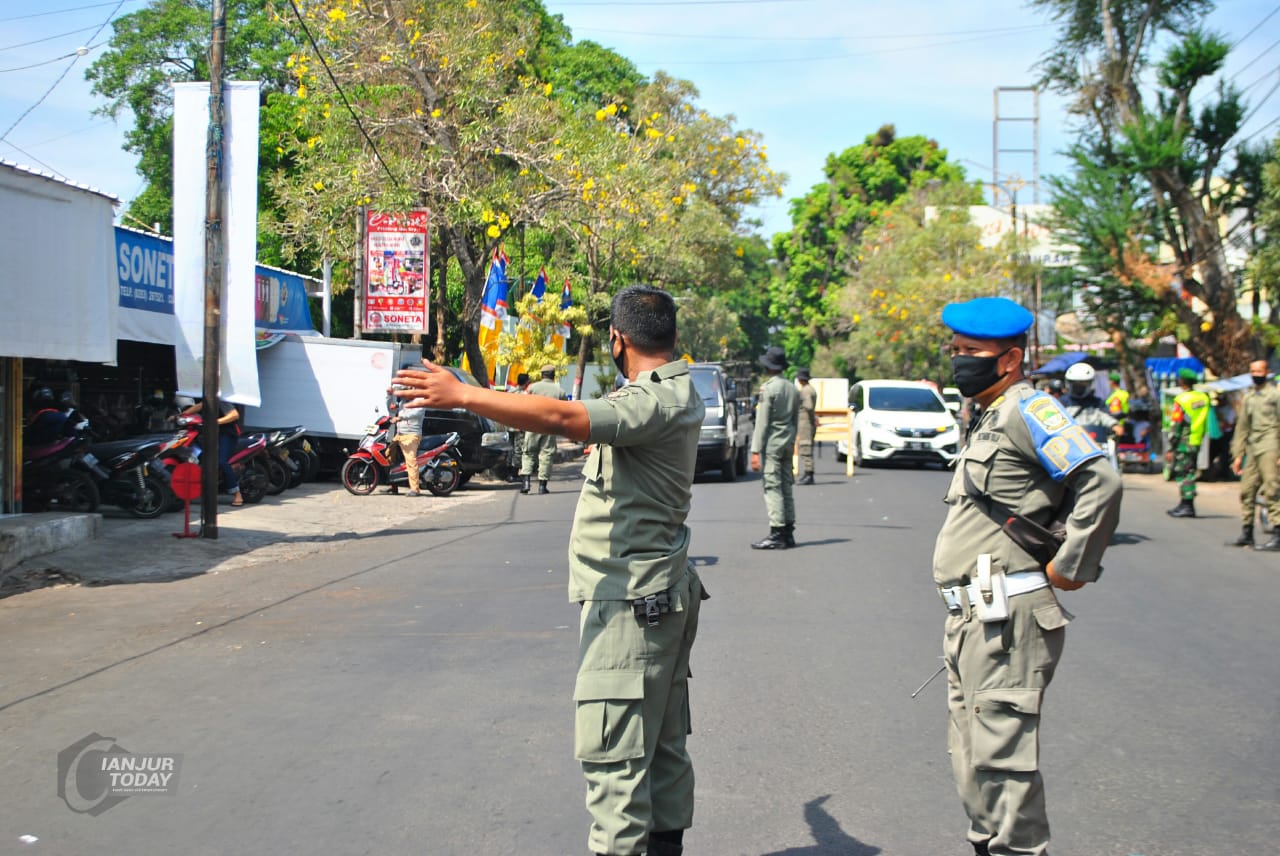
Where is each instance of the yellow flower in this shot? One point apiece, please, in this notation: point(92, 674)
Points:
point(546, 90)
point(679, 200)
point(302, 90)
point(612, 109)
point(857, 319)
point(1206, 326)
point(738, 251)
point(600, 115)
point(557, 156)
point(588, 184)
point(946, 277)
point(337, 15)
point(871, 358)
point(493, 231)
point(435, 114)
point(319, 185)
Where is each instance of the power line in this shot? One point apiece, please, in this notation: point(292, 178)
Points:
point(712, 37)
point(63, 11)
point(1256, 26)
point(70, 65)
point(1250, 63)
point(320, 56)
point(77, 53)
point(1260, 79)
point(34, 158)
point(46, 39)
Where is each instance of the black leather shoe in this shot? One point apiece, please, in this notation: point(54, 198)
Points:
point(524, 484)
point(808, 479)
point(1271, 546)
point(776, 540)
point(1245, 539)
point(788, 536)
point(542, 487)
point(1186, 508)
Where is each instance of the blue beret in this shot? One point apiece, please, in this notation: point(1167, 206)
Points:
point(987, 318)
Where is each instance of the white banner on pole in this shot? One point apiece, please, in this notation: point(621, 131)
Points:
point(239, 363)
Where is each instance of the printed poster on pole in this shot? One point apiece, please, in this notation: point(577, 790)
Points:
point(397, 254)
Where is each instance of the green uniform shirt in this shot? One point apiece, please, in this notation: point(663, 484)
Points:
point(808, 407)
point(629, 537)
point(548, 388)
point(1002, 463)
point(776, 418)
point(1258, 425)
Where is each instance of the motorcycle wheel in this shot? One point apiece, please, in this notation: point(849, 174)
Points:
point(296, 464)
point(360, 476)
point(313, 465)
point(253, 485)
point(441, 481)
point(74, 491)
point(152, 501)
point(277, 476)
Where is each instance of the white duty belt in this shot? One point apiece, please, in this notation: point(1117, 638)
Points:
point(1014, 584)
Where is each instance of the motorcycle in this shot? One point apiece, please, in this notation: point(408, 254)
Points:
point(127, 476)
point(56, 476)
point(439, 467)
point(251, 477)
point(287, 463)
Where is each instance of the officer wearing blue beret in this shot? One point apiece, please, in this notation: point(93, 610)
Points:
point(1032, 507)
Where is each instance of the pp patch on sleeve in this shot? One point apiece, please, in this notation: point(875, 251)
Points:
point(1060, 443)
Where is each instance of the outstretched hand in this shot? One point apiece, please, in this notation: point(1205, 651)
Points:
point(430, 386)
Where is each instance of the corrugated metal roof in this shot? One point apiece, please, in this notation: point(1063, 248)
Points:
point(48, 176)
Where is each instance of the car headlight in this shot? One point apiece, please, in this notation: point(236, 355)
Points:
point(714, 432)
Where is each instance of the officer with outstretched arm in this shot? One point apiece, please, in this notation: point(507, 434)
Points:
point(1032, 506)
point(629, 570)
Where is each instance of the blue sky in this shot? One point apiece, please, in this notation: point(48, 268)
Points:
point(813, 76)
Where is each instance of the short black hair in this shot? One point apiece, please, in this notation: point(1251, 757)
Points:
point(646, 316)
point(1018, 341)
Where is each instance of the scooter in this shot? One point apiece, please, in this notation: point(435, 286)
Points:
point(253, 480)
point(439, 467)
point(127, 478)
point(56, 476)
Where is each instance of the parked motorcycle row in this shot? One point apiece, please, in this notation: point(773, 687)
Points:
point(74, 473)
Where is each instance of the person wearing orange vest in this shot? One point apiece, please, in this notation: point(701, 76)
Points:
point(1190, 420)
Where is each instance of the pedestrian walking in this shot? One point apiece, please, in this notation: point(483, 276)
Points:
point(540, 449)
point(1255, 448)
point(807, 427)
point(408, 435)
point(629, 570)
point(772, 445)
point(1025, 467)
point(1189, 417)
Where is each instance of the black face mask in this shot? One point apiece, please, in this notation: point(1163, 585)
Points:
point(975, 374)
point(1259, 381)
point(617, 358)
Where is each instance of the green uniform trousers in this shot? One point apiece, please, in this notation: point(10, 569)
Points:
point(1185, 469)
point(1260, 473)
point(778, 477)
point(539, 450)
point(804, 447)
point(632, 698)
point(996, 677)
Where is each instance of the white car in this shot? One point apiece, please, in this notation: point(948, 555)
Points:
point(900, 420)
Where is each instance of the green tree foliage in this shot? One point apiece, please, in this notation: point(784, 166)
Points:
point(709, 328)
point(820, 255)
point(167, 42)
point(1141, 123)
point(1264, 268)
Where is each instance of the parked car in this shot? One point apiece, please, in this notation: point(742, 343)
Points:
point(482, 443)
point(900, 420)
point(953, 399)
point(725, 441)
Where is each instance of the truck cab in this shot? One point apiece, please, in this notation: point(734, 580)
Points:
point(725, 441)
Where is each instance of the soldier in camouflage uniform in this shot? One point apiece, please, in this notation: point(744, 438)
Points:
point(1189, 418)
point(629, 570)
point(772, 446)
point(1024, 461)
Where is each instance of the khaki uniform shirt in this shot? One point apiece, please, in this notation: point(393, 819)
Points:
point(808, 408)
point(776, 418)
point(548, 388)
point(1008, 456)
point(629, 537)
point(1258, 425)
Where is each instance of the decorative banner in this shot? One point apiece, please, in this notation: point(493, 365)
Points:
point(144, 273)
point(238, 381)
point(397, 265)
point(281, 305)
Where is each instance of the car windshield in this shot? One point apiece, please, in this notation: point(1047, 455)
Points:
point(910, 399)
point(705, 382)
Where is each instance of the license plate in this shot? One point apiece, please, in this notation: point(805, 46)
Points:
point(90, 459)
point(917, 446)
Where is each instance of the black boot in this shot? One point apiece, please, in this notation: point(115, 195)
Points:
point(1245, 539)
point(980, 848)
point(666, 843)
point(524, 483)
point(789, 535)
point(808, 479)
point(1186, 508)
point(777, 540)
point(1271, 546)
point(542, 487)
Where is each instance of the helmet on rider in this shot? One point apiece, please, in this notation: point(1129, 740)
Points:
point(66, 400)
point(42, 397)
point(1080, 380)
point(1057, 388)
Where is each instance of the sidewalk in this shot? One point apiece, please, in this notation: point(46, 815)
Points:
point(308, 519)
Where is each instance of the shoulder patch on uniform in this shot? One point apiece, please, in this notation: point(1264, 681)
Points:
point(1060, 443)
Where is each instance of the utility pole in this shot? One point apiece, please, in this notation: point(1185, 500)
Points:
point(362, 220)
point(213, 278)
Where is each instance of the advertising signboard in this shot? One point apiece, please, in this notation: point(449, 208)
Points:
point(397, 252)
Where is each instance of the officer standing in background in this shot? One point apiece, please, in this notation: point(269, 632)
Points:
point(1189, 417)
point(1024, 461)
point(774, 440)
point(540, 449)
point(628, 568)
point(807, 426)
point(1255, 447)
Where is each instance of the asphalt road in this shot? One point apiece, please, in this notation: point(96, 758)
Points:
point(410, 693)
